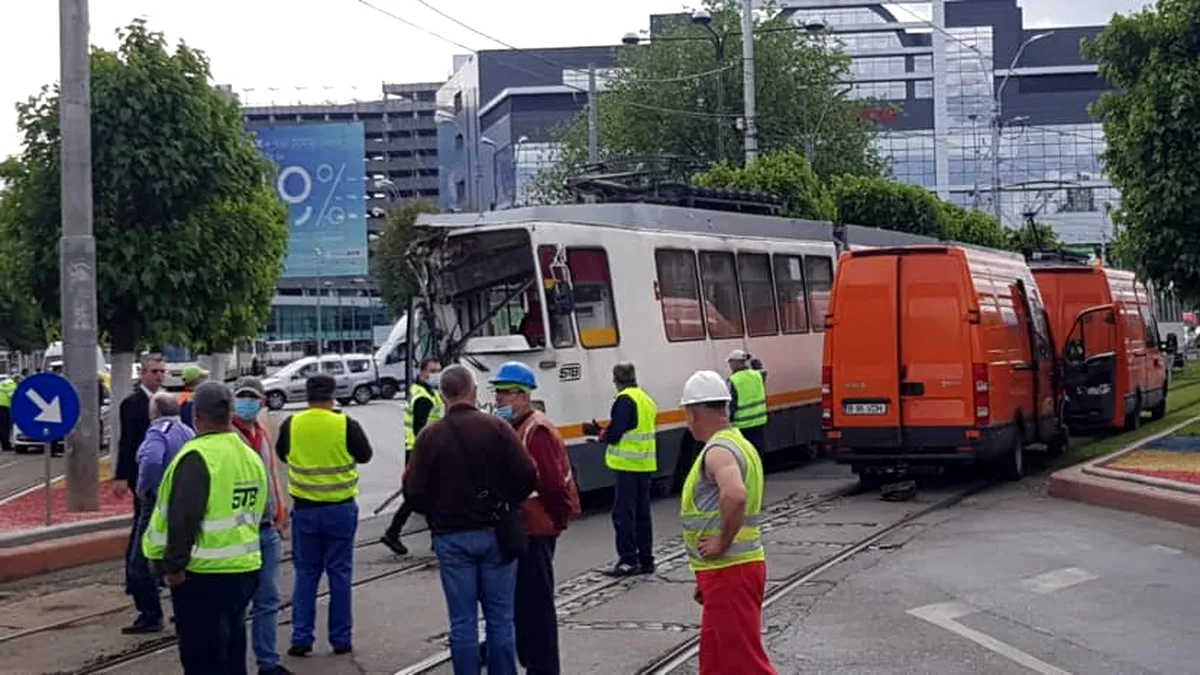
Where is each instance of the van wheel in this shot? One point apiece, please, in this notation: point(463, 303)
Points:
point(276, 400)
point(1012, 463)
point(387, 390)
point(362, 395)
point(1159, 411)
point(1133, 421)
point(1059, 443)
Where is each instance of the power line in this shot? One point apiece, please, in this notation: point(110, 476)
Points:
point(410, 24)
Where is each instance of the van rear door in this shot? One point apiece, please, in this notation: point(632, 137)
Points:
point(864, 345)
point(936, 385)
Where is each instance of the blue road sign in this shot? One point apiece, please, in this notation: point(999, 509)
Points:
point(45, 407)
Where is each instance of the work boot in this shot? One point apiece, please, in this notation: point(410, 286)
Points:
point(296, 650)
point(277, 670)
point(622, 569)
point(393, 542)
point(645, 568)
point(143, 626)
point(343, 649)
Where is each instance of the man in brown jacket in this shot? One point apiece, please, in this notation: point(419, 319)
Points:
point(456, 461)
point(545, 515)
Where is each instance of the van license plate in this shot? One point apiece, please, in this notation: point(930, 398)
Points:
point(865, 408)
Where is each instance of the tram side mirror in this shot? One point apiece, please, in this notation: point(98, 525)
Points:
point(562, 300)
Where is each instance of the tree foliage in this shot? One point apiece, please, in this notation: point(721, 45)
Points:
point(1152, 60)
point(786, 174)
point(881, 203)
point(21, 325)
point(389, 264)
point(189, 233)
point(664, 100)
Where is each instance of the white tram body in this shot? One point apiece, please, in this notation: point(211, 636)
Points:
point(573, 290)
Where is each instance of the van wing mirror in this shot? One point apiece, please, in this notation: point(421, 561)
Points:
point(1171, 345)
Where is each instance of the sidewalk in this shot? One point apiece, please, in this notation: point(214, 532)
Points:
point(1159, 476)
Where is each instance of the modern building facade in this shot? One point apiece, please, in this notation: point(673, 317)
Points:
point(943, 77)
point(400, 164)
point(497, 118)
point(976, 106)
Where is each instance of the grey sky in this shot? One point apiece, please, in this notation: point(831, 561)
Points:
point(341, 49)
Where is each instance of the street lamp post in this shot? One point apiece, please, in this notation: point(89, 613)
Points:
point(998, 124)
point(484, 140)
point(320, 290)
point(703, 19)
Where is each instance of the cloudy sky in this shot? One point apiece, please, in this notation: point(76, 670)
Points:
point(344, 49)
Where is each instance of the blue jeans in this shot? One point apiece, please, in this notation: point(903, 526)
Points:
point(140, 582)
point(323, 541)
point(473, 573)
point(265, 610)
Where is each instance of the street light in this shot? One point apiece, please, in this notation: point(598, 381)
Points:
point(320, 329)
point(702, 18)
point(998, 123)
point(484, 140)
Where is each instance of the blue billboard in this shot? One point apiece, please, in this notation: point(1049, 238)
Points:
point(322, 180)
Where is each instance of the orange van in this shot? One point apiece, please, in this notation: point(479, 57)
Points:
point(1105, 328)
point(937, 355)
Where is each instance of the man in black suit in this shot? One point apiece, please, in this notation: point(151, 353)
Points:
point(135, 419)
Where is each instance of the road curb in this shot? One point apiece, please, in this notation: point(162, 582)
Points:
point(30, 560)
point(1092, 484)
point(64, 530)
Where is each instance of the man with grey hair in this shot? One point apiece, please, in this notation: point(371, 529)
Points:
point(632, 454)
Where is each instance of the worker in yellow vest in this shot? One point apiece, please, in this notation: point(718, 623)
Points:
point(322, 448)
point(632, 454)
point(423, 407)
point(7, 388)
point(748, 408)
point(721, 512)
point(203, 536)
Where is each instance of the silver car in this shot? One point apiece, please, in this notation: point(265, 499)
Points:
point(354, 373)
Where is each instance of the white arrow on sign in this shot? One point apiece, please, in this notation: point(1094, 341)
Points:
point(51, 413)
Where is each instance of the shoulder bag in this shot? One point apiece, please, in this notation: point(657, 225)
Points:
point(506, 520)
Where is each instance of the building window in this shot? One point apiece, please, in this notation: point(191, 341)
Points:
point(595, 313)
point(458, 104)
point(758, 294)
point(562, 334)
point(679, 291)
point(458, 141)
point(789, 293)
point(722, 303)
point(818, 271)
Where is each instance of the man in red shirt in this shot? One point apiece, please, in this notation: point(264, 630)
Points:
point(544, 514)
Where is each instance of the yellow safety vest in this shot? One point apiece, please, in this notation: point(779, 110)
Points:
point(751, 393)
point(320, 466)
point(701, 513)
point(417, 392)
point(237, 497)
point(636, 450)
point(7, 389)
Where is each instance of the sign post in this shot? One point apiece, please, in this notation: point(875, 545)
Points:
point(45, 407)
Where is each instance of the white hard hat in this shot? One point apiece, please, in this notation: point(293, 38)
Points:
point(704, 386)
point(738, 355)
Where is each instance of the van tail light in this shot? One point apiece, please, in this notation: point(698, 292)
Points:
point(827, 397)
point(983, 394)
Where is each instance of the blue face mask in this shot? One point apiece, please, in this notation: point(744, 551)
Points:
point(506, 413)
point(246, 408)
point(434, 380)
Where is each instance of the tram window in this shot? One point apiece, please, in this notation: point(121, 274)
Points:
point(758, 294)
point(595, 313)
point(562, 334)
point(818, 271)
point(679, 288)
point(719, 286)
point(789, 293)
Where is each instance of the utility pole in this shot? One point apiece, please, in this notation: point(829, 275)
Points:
point(750, 115)
point(320, 291)
point(996, 186)
point(77, 256)
point(593, 117)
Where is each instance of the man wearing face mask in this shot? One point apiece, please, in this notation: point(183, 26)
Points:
point(424, 406)
point(249, 395)
point(544, 514)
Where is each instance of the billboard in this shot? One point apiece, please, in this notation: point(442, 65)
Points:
point(322, 180)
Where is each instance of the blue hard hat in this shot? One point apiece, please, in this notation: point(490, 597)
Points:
point(515, 372)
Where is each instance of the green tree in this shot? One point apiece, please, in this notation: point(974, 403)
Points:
point(672, 97)
point(21, 326)
point(1152, 60)
point(1034, 237)
point(970, 226)
point(389, 262)
point(877, 202)
point(189, 234)
point(786, 174)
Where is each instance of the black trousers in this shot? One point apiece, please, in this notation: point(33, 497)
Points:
point(757, 437)
point(210, 616)
point(631, 518)
point(534, 615)
point(6, 427)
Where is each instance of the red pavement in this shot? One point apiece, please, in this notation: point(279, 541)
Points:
point(29, 512)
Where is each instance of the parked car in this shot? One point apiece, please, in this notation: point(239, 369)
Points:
point(22, 444)
point(355, 374)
